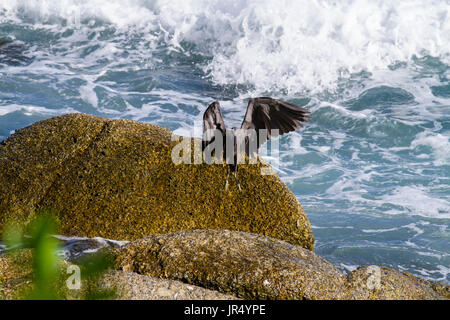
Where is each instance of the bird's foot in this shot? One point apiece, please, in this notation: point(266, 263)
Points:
point(237, 181)
point(226, 186)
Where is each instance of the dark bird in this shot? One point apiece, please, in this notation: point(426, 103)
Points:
point(266, 116)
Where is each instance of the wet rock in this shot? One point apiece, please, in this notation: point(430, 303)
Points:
point(115, 179)
point(133, 286)
point(246, 265)
point(252, 266)
point(12, 278)
point(16, 277)
point(221, 264)
point(33, 158)
point(379, 283)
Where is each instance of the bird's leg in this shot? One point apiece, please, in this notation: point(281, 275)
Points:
point(226, 180)
point(237, 181)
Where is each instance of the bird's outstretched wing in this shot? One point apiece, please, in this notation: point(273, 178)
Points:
point(212, 120)
point(267, 113)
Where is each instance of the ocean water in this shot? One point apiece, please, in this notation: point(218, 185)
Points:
point(372, 166)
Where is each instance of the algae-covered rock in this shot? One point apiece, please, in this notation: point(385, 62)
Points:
point(247, 265)
point(252, 266)
point(16, 278)
point(221, 264)
point(379, 283)
point(13, 278)
point(116, 179)
point(133, 286)
point(33, 158)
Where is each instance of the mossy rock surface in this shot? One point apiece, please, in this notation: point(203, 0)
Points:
point(17, 275)
point(133, 286)
point(249, 266)
point(392, 285)
point(252, 266)
point(13, 278)
point(16, 278)
point(116, 179)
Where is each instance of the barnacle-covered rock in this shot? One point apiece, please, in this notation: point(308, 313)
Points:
point(116, 179)
point(252, 266)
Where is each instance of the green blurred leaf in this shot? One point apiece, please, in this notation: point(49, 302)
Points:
point(49, 281)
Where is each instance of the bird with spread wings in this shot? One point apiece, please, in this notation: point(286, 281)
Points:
point(264, 115)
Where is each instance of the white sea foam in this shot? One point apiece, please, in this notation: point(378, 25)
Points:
point(174, 98)
point(379, 230)
point(33, 110)
point(100, 240)
point(88, 94)
point(71, 246)
point(418, 202)
point(438, 143)
point(348, 267)
point(270, 44)
point(430, 254)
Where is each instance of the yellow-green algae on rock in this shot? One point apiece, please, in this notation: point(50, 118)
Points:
point(252, 266)
point(17, 278)
point(247, 265)
point(393, 285)
point(116, 179)
point(13, 278)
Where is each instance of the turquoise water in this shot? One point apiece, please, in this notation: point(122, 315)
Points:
point(372, 166)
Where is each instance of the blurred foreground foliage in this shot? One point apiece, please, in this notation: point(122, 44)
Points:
point(49, 273)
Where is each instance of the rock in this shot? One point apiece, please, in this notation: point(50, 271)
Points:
point(33, 158)
point(133, 286)
point(222, 264)
point(13, 278)
point(16, 275)
point(392, 285)
point(246, 265)
point(115, 179)
point(252, 266)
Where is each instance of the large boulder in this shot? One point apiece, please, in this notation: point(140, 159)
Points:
point(221, 264)
point(252, 266)
point(116, 179)
point(133, 286)
point(247, 265)
point(392, 285)
point(16, 277)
